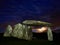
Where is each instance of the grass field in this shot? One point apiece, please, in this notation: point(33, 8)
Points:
point(16, 41)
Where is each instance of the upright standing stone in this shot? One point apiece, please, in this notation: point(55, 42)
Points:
point(8, 31)
point(27, 33)
point(18, 31)
point(50, 35)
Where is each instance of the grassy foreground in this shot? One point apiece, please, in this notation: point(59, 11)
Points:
point(15, 41)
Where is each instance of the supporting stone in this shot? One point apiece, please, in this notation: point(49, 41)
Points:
point(8, 31)
point(49, 34)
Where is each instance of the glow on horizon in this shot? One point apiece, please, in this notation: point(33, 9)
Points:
point(40, 30)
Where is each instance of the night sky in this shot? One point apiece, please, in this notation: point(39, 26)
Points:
point(16, 11)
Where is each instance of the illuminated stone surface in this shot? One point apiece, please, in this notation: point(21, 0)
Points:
point(24, 31)
point(8, 31)
point(50, 35)
point(17, 31)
